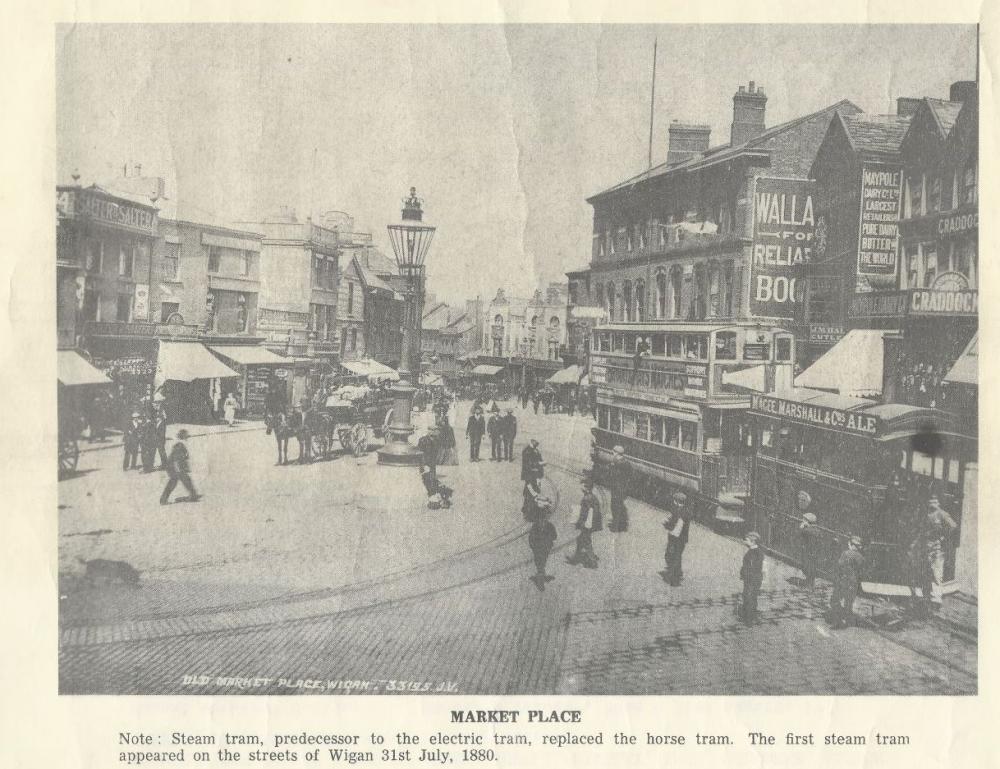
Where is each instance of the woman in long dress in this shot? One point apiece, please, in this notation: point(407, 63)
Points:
point(229, 409)
point(447, 454)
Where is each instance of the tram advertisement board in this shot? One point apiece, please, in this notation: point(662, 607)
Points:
point(784, 232)
point(817, 416)
point(878, 232)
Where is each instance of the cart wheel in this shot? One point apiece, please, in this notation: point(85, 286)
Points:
point(69, 456)
point(360, 439)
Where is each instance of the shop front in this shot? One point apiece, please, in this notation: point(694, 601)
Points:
point(193, 382)
point(264, 376)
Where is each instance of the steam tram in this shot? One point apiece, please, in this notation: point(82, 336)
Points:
point(670, 394)
point(861, 468)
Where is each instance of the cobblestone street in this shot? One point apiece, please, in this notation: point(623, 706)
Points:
point(303, 578)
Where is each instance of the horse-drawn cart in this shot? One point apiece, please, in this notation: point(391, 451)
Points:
point(352, 415)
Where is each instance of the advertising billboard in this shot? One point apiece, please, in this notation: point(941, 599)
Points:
point(878, 232)
point(784, 233)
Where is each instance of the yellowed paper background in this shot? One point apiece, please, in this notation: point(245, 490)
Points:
point(41, 729)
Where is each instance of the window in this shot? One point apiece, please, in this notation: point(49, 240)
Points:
point(210, 310)
point(95, 255)
point(642, 426)
point(317, 271)
point(676, 279)
point(688, 432)
point(628, 238)
point(616, 420)
point(611, 242)
point(167, 309)
point(641, 232)
point(553, 349)
point(247, 261)
point(695, 346)
point(965, 259)
point(171, 259)
point(610, 301)
point(126, 260)
point(930, 264)
point(640, 301)
point(714, 291)
point(917, 196)
point(934, 196)
point(699, 294)
point(661, 294)
point(656, 429)
point(912, 267)
point(675, 346)
point(350, 298)
point(599, 241)
point(672, 428)
point(314, 322)
point(124, 308)
point(602, 417)
point(354, 339)
point(627, 301)
point(214, 258)
point(969, 195)
point(241, 313)
point(783, 349)
point(725, 345)
point(628, 423)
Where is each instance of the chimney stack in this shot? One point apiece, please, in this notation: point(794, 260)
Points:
point(686, 141)
point(963, 91)
point(748, 114)
point(907, 105)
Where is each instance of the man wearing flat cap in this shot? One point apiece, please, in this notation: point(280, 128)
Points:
point(619, 480)
point(846, 583)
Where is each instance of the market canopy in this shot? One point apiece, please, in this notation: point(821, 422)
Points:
point(853, 366)
point(188, 361)
point(966, 368)
point(568, 375)
point(249, 355)
point(486, 370)
point(75, 371)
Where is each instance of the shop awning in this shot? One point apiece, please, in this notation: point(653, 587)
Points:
point(966, 368)
point(853, 366)
point(752, 378)
point(187, 361)
point(429, 379)
point(484, 370)
point(249, 355)
point(74, 371)
point(568, 375)
point(371, 369)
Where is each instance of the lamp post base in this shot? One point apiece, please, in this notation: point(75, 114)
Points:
point(397, 450)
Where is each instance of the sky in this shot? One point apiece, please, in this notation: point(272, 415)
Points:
point(504, 130)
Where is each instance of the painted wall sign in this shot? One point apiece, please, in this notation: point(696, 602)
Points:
point(878, 233)
point(825, 333)
point(784, 231)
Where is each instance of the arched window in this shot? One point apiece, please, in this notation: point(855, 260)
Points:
point(627, 301)
point(699, 293)
point(640, 301)
point(554, 324)
point(661, 293)
point(714, 291)
point(676, 283)
point(610, 302)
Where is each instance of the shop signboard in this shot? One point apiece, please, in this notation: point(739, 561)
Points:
point(825, 334)
point(879, 304)
point(815, 416)
point(97, 206)
point(878, 232)
point(784, 232)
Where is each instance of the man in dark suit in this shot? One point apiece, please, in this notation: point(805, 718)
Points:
point(132, 439)
point(532, 466)
point(677, 526)
point(508, 433)
point(495, 429)
point(846, 583)
point(619, 481)
point(179, 470)
point(474, 431)
point(752, 574)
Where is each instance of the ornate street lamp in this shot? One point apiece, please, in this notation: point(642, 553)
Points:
point(411, 240)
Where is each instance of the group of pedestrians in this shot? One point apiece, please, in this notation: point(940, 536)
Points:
point(145, 437)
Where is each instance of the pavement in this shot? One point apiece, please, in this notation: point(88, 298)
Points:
point(303, 578)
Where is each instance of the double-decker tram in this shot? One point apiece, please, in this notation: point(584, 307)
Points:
point(862, 468)
point(668, 393)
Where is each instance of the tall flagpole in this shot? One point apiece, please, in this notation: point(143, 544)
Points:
point(652, 101)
